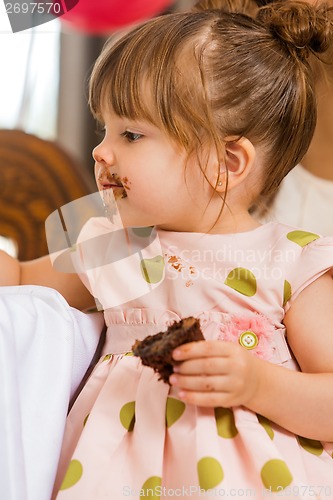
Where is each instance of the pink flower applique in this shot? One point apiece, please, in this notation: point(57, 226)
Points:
point(253, 332)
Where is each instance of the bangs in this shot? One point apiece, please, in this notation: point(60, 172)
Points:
point(153, 74)
point(117, 80)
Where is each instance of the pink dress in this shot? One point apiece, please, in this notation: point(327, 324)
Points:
point(128, 435)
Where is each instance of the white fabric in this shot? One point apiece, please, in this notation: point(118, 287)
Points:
point(45, 349)
point(305, 201)
point(8, 245)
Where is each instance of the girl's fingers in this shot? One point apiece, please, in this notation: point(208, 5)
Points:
point(212, 383)
point(203, 366)
point(207, 399)
point(203, 348)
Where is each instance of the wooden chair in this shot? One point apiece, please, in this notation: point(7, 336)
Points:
point(37, 177)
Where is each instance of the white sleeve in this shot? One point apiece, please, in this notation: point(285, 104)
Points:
point(45, 349)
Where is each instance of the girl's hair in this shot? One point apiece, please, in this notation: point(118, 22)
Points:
point(213, 73)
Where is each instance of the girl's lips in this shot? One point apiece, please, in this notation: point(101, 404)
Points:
point(111, 186)
point(108, 180)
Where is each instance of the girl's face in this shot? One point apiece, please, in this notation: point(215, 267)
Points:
point(146, 172)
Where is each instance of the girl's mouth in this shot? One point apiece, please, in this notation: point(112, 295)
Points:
point(118, 190)
point(114, 182)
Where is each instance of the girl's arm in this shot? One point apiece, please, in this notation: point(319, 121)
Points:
point(41, 272)
point(223, 374)
point(9, 270)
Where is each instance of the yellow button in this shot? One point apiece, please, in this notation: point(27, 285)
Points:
point(249, 340)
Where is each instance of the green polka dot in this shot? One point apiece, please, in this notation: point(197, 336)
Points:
point(150, 488)
point(73, 475)
point(225, 423)
point(311, 445)
point(152, 269)
point(286, 292)
point(266, 425)
point(242, 280)
point(302, 238)
point(85, 419)
point(127, 416)
point(210, 473)
point(173, 411)
point(143, 232)
point(107, 356)
point(275, 475)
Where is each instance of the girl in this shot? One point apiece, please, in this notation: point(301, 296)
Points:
point(204, 114)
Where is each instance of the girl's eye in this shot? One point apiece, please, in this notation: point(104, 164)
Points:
point(131, 136)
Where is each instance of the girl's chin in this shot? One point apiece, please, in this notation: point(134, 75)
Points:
point(134, 220)
point(131, 216)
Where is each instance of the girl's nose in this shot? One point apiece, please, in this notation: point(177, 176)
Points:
point(103, 155)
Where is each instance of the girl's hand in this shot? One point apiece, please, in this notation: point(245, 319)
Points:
point(214, 373)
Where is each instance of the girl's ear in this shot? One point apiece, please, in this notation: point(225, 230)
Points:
point(239, 159)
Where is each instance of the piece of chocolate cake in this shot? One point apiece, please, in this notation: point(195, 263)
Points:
point(156, 350)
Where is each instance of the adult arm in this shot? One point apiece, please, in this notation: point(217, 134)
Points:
point(41, 272)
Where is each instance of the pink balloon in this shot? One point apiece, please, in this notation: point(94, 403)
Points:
point(106, 16)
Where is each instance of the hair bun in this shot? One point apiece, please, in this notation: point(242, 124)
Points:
point(303, 27)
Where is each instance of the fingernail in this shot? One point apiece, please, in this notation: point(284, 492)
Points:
point(176, 353)
point(173, 379)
